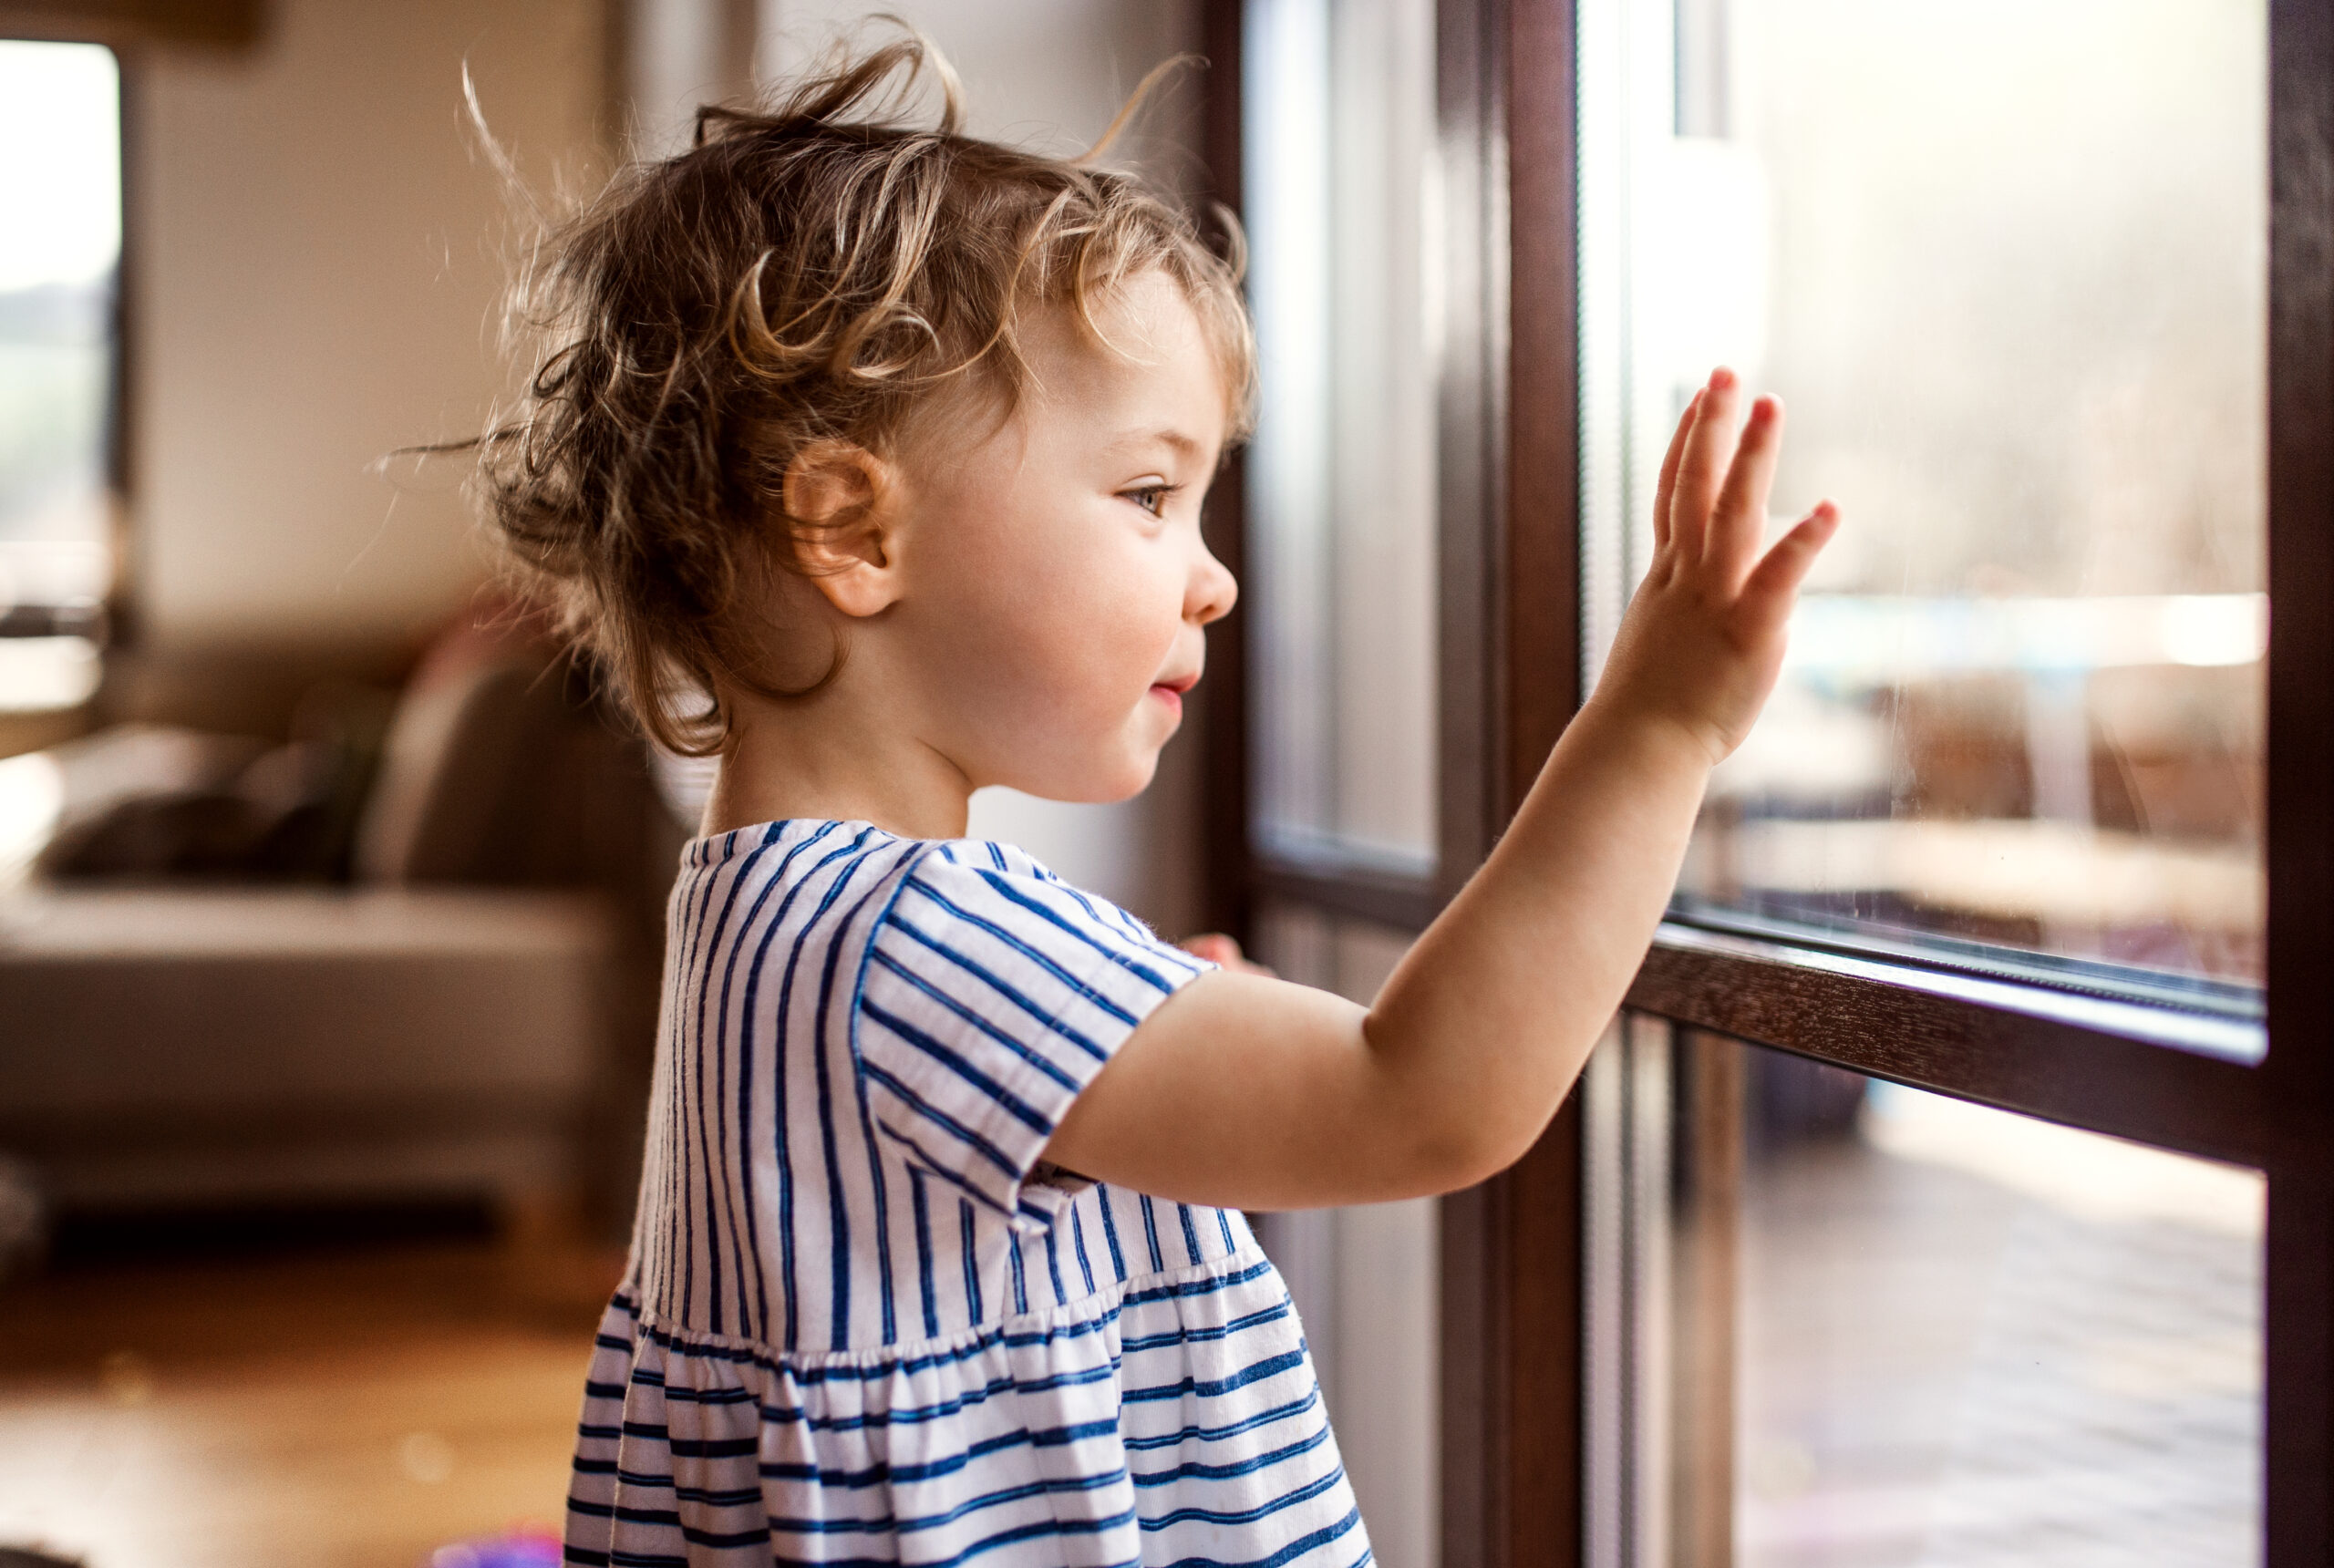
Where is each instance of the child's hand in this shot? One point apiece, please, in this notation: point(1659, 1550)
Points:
point(1703, 638)
point(1220, 950)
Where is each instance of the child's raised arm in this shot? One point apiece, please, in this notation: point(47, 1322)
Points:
point(1250, 1092)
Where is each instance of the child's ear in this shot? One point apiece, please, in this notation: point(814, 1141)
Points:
point(840, 500)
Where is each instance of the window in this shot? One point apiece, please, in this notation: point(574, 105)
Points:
point(1833, 1319)
point(60, 253)
point(2006, 265)
point(1341, 475)
point(2006, 834)
point(1965, 1334)
point(1338, 169)
point(2023, 872)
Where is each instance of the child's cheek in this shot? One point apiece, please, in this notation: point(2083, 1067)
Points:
point(1126, 616)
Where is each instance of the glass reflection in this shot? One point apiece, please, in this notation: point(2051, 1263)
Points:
point(1970, 1339)
point(2005, 263)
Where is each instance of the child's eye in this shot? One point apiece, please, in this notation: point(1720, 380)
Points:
point(1152, 499)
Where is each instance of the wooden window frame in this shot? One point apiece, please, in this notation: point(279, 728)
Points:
point(1513, 1290)
point(206, 24)
point(1511, 1304)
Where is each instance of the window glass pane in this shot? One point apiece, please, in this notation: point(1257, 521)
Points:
point(1338, 197)
point(60, 246)
point(1968, 1337)
point(2005, 262)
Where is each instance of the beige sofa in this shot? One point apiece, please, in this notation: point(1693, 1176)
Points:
point(469, 1018)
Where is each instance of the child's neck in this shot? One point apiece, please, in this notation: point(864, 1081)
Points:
point(802, 760)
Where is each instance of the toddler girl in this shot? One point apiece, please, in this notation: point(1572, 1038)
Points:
point(871, 457)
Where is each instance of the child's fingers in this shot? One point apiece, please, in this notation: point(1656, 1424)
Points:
point(1665, 489)
point(1702, 463)
point(1220, 950)
point(1777, 577)
point(1740, 516)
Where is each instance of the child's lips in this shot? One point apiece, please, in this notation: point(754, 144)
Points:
point(1171, 692)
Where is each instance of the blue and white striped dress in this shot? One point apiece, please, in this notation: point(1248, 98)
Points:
point(861, 1322)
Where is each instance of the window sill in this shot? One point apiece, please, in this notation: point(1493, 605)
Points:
point(2164, 1075)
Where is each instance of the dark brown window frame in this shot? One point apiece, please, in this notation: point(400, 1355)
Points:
point(212, 24)
point(1513, 1441)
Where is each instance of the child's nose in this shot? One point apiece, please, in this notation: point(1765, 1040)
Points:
point(1212, 591)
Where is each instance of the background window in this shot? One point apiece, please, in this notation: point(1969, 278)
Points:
point(1341, 198)
point(60, 251)
point(2006, 265)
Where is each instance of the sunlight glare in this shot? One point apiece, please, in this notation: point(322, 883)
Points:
point(60, 176)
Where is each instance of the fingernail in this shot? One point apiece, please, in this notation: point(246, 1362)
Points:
point(1721, 378)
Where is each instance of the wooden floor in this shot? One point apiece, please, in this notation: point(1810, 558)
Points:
point(353, 1410)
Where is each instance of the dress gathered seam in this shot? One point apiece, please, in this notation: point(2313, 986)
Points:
point(1108, 1298)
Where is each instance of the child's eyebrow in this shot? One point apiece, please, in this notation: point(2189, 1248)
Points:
point(1175, 440)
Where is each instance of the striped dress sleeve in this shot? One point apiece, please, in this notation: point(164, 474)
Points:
point(993, 993)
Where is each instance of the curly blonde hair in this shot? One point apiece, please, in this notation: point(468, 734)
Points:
point(810, 269)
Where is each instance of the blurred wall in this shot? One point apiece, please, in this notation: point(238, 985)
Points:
point(315, 283)
point(1047, 73)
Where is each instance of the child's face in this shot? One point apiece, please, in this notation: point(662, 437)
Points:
point(1055, 581)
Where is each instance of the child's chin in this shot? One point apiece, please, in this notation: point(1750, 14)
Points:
point(1121, 780)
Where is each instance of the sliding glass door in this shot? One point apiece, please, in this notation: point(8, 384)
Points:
point(1958, 1185)
point(1995, 876)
